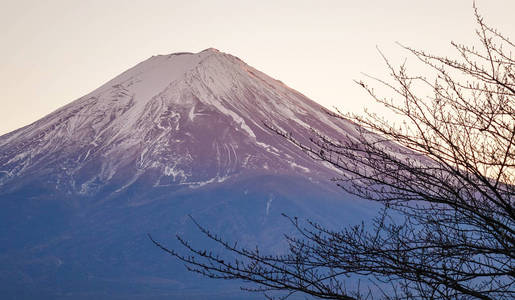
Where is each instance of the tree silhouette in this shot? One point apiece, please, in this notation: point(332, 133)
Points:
point(445, 176)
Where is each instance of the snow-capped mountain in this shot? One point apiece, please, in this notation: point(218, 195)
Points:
point(175, 135)
point(181, 119)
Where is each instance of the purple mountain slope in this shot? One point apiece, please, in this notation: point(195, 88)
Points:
point(177, 120)
point(175, 135)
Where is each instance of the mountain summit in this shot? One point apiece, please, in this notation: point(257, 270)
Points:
point(182, 119)
point(176, 135)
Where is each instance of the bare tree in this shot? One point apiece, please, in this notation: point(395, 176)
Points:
point(446, 177)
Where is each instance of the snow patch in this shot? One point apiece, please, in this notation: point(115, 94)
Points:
point(18, 157)
point(175, 173)
point(133, 179)
point(191, 114)
point(216, 179)
point(293, 165)
point(269, 148)
point(268, 205)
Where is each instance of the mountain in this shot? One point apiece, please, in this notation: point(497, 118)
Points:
point(175, 135)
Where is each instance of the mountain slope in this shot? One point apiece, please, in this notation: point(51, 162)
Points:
point(159, 117)
point(175, 135)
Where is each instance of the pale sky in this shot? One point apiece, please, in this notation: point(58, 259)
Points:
point(55, 51)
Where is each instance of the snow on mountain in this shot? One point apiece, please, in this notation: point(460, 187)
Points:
point(181, 119)
point(176, 135)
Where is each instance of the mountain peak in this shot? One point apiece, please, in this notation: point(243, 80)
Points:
point(168, 117)
point(211, 49)
point(208, 51)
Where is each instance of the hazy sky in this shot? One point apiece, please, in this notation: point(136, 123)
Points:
point(54, 51)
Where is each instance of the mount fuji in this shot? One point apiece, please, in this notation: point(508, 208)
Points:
point(176, 135)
